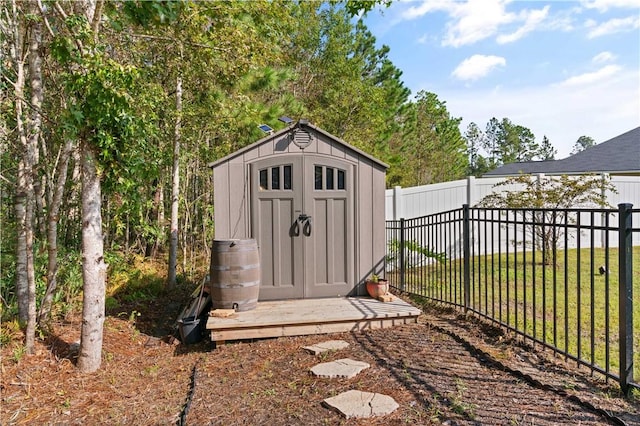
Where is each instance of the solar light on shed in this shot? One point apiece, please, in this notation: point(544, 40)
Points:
point(285, 119)
point(266, 128)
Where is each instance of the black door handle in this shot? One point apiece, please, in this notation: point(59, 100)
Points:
point(306, 229)
point(305, 221)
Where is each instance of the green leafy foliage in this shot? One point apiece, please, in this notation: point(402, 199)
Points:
point(149, 13)
point(69, 289)
point(478, 164)
point(507, 142)
point(241, 64)
point(8, 301)
point(552, 192)
point(131, 279)
point(345, 83)
point(582, 143)
point(412, 249)
point(549, 194)
point(358, 7)
point(432, 150)
point(546, 151)
point(503, 142)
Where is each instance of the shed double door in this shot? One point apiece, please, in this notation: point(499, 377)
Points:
point(302, 216)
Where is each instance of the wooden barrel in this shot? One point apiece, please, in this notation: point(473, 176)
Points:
point(235, 274)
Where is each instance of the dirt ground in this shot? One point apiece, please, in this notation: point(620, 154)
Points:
point(447, 369)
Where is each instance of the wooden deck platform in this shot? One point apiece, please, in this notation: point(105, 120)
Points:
point(311, 316)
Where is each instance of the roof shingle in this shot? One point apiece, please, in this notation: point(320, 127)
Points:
point(619, 155)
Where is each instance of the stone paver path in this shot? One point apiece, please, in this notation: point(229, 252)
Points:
point(329, 345)
point(345, 367)
point(360, 404)
point(443, 369)
point(352, 403)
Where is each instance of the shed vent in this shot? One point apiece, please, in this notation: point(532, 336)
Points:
point(302, 138)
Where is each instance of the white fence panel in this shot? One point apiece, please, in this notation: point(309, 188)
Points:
point(628, 188)
point(430, 199)
point(424, 200)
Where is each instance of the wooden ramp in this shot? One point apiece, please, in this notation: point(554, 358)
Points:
point(311, 316)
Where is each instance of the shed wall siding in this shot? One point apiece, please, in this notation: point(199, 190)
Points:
point(232, 195)
point(378, 232)
point(338, 151)
point(239, 185)
point(221, 196)
point(364, 223)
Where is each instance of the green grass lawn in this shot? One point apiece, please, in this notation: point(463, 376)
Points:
point(570, 306)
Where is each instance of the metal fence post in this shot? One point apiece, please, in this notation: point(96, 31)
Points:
point(466, 242)
point(625, 252)
point(402, 262)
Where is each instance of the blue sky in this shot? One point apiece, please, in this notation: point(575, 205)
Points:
point(560, 68)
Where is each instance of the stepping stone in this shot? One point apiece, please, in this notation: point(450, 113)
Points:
point(360, 404)
point(341, 368)
point(329, 345)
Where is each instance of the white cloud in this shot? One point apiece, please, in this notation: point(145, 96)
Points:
point(603, 57)
point(560, 22)
point(474, 21)
point(591, 77)
point(604, 5)
point(614, 26)
point(427, 38)
point(425, 7)
point(477, 66)
point(532, 19)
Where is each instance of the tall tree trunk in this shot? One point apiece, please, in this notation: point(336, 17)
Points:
point(20, 202)
point(34, 130)
point(52, 231)
point(30, 332)
point(94, 269)
point(175, 188)
point(22, 281)
point(25, 274)
point(186, 223)
point(34, 126)
point(24, 198)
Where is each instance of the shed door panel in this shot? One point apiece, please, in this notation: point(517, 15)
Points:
point(302, 217)
point(277, 199)
point(329, 249)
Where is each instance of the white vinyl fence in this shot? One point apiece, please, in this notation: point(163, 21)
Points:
point(440, 197)
point(407, 203)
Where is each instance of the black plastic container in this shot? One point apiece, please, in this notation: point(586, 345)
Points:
point(190, 331)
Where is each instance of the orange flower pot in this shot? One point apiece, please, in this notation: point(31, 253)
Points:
point(377, 289)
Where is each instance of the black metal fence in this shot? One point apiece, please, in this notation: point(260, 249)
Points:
point(561, 278)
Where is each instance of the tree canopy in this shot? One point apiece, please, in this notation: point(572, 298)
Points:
point(501, 143)
point(582, 143)
point(115, 108)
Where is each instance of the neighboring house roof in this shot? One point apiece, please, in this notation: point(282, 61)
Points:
point(619, 155)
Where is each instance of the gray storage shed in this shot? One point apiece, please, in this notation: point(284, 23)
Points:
point(315, 205)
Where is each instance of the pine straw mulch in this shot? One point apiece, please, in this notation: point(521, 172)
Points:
point(447, 369)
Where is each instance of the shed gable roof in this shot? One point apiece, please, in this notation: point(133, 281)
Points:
point(288, 129)
point(620, 154)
